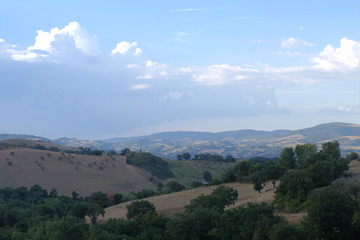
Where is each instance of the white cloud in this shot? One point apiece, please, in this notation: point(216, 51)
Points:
point(59, 43)
point(221, 74)
point(347, 56)
point(294, 42)
point(139, 86)
point(302, 27)
point(83, 40)
point(138, 51)
point(150, 63)
point(124, 47)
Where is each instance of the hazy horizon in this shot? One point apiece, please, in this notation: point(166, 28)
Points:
point(97, 70)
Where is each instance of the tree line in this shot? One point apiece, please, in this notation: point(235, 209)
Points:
point(206, 157)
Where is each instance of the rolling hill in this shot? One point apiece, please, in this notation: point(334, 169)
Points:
point(22, 165)
point(241, 143)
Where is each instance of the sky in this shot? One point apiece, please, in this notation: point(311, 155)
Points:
point(103, 69)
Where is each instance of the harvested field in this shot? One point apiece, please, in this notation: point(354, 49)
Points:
point(170, 204)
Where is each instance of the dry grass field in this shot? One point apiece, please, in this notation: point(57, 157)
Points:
point(70, 172)
point(170, 204)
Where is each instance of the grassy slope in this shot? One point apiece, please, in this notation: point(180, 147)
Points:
point(175, 202)
point(187, 172)
point(170, 204)
point(66, 176)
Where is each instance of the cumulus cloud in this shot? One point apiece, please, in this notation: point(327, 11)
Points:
point(347, 56)
point(124, 47)
point(59, 43)
point(124, 79)
point(138, 51)
point(294, 42)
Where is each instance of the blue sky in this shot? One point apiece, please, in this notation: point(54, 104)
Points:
point(101, 69)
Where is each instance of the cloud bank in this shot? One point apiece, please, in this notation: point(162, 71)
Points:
point(79, 81)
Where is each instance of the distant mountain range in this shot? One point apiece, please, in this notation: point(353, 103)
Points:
point(241, 143)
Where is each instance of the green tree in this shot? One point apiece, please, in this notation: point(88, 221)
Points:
point(94, 210)
point(303, 152)
point(352, 156)
point(66, 228)
point(207, 176)
point(125, 152)
point(186, 156)
point(287, 158)
point(292, 191)
point(139, 208)
point(220, 198)
point(258, 178)
point(273, 172)
point(99, 198)
point(330, 214)
point(197, 224)
point(174, 186)
point(331, 149)
point(255, 221)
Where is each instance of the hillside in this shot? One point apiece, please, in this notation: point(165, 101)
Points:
point(170, 204)
point(173, 203)
point(85, 174)
point(241, 143)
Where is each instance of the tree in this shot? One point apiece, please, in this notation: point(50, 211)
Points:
point(139, 207)
point(97, 152)
point(242, 170)
point(330, 214)
point(274, 171)
point(94, 210)
point(111, 153)
point(125, 152)
point(331, 149)
point(352, 156)
point(74, 195)
point(207, 176)
point(66, 228)
point(292, 190)
point(287, 158)
point(174, 186)
point(258, 178)
point(303, 152)
point(220, 198)
point(99, 198)
point(255, 221)
point(179, 157)
point(186, 156)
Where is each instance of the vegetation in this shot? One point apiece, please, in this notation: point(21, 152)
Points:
point(151, 163)
point(332, 211)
